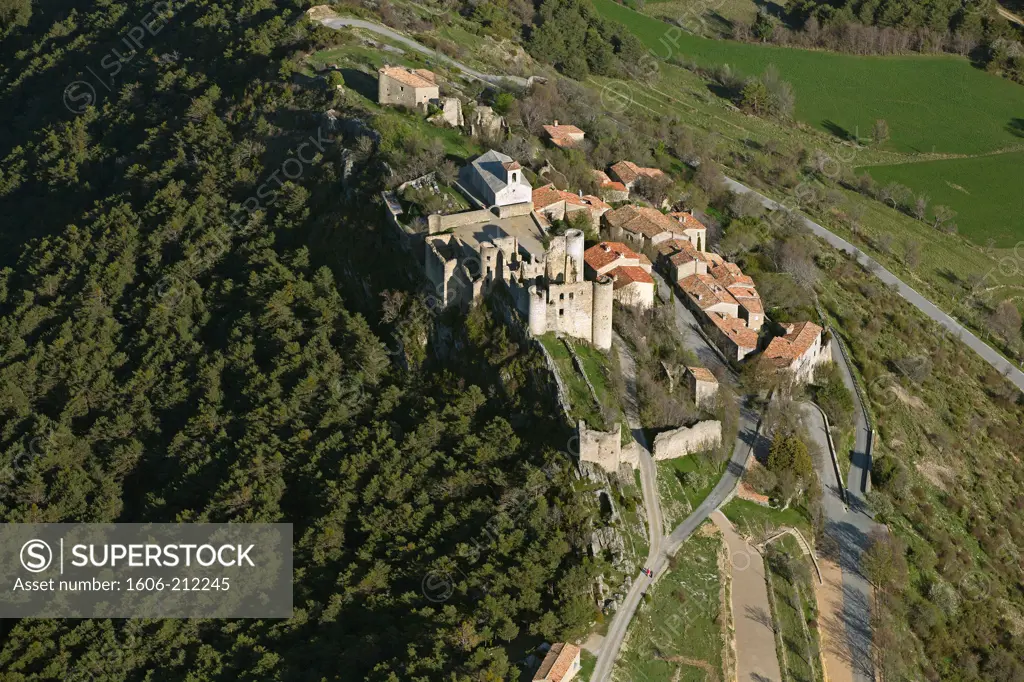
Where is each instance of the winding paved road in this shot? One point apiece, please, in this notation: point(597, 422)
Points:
point(849, 624)
point(338, 23)
point(990, 356)
point(746, 439)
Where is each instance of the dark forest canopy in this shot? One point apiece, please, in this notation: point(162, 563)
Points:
point(172, 349)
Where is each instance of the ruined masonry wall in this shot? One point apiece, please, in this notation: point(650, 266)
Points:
point(687, 440)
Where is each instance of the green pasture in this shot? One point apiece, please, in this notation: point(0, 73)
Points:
point(987, 192)
point(932, 103)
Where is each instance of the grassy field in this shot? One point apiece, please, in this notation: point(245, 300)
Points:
point(987, 192)
point(678, 636)
point(793, 605)
point(580, 399)
point(702, 17)
point(752, 519)
point(683, 483)
point(932, 103)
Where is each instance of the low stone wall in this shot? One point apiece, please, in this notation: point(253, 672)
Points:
point(525, 208)
point(439, 223)
point(686, 440)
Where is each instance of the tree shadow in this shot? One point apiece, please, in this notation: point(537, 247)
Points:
point(836, 129)
point(1016, 127)
point(760, 616)
point(362, 83)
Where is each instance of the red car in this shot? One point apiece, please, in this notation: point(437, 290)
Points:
point(648, 572)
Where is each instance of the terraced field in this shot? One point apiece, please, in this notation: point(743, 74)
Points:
point(932, 103)
point(987, 192)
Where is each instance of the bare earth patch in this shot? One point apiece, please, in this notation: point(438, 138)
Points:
point(938, 475)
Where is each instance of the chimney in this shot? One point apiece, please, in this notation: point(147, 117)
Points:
point(556, 122)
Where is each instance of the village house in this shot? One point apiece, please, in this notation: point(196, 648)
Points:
point(498, 181)
point(703, 386)
point(741, 287)
point(800, 350)
point(735, 339)
point(555, 204)
point(412, 88)
point(628, 173)
point(561, 664)
point(564, 136)
point(642, 226)
point(678, 258)
point(610, 190)
point(693, 230)
point(707, 296)
point(630, 271)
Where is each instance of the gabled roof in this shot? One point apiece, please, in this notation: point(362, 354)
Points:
point(799, 338)
point(644, 220)
point(564, 135)
point(705, 291)
point(492, 167)
point(751, 304)
point(605, 253)
point(702, 374)
point(605, 182)
point(627, 171)
point(735, 330)
point(624, 275)
point(557, 662)
point(688, 221)
point(420, 78)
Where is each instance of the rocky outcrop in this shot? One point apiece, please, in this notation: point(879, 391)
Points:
point(686, 440)
point(485, 123)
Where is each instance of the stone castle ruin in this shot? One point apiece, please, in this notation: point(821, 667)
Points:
point(502, 240)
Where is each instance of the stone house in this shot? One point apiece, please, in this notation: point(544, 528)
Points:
point(564, 136)
point(642, 226)
point(630, 271)
point(730, 276)
point(555, 204)
point(561, 664)
point(693, 230)
point(703, 385)
point(734, 338)
point(799, 350)
point(498, 181)
point(628, 173)
point(610, 190)
point(707, 296)
point(412, 88)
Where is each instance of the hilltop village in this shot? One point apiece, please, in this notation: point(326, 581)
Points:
point(530, 236)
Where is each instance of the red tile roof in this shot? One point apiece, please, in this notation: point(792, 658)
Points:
point(702, 374)
point(735, 330)
point(644, 220)
point(420, 78)
point(798, 339)
point(624, 275)
point(751, 303)
point(557, 662)
point(688, 221)
point(628, 172)
point(564, 135)
point(705, 291)
point(605, 253)
point(511, 165)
